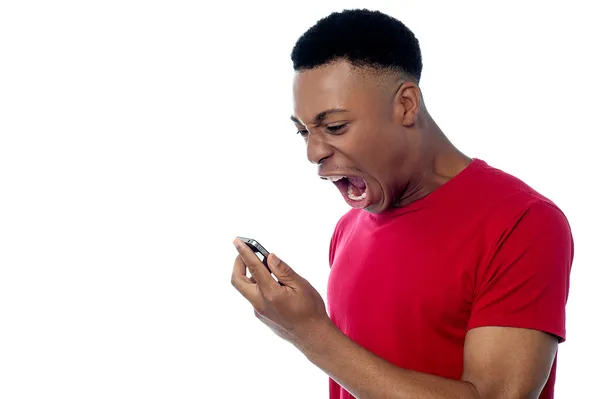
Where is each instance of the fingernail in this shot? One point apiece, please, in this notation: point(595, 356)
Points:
point(236, 242)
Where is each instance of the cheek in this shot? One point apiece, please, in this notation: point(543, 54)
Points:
point(380, 148)
point(368, 146)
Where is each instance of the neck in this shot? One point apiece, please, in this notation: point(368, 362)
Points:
point(440, 162)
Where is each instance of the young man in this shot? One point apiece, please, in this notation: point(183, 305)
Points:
point(449, 278)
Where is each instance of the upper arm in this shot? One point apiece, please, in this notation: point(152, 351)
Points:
point(505, 362)
point(518, 311)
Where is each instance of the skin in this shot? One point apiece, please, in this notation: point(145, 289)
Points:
point(386, 135)
point(384, 123)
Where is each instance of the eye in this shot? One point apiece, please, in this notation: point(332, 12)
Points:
point(336, 128)
point(302, 132)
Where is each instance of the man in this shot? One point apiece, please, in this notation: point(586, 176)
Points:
point(449, 278)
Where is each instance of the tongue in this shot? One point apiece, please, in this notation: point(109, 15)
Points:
point(357, 182)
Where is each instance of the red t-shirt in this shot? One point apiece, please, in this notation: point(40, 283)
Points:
point(484, 249)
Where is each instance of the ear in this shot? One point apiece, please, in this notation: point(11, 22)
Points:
point(407, 102)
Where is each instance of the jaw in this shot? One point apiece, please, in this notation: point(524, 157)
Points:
point(381, 199)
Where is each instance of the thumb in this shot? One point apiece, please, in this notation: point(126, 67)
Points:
point(284, 273)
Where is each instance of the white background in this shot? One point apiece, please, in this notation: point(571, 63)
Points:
point(137, 139)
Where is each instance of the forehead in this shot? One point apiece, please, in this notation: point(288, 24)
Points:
point(335, 85)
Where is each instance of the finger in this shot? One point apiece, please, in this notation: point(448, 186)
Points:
point(284, 273)
point(256, 268)
point(246, 286)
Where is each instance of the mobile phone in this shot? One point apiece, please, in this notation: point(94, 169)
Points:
point(258, 249)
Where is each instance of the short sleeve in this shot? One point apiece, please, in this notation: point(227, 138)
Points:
point(525, 283)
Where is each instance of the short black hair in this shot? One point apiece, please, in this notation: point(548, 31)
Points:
point(363, 38)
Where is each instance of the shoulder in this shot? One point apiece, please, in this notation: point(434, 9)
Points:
point(504, 200)
point(496, 184)
point(533, 224)
point(528, 236)
point(523, 277)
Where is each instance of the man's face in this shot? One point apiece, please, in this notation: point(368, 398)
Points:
point(353, 128)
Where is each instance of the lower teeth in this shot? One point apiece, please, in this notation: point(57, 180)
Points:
point(355, 198)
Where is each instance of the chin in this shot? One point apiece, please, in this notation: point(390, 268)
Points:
point(376, 208)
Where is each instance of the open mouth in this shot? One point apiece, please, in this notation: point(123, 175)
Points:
point(354, 189)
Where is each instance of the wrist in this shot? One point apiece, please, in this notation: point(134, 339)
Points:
point(322, 336)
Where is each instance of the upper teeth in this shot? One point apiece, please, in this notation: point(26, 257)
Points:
point(334, 178)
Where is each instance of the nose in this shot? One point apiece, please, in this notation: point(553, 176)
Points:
point(316, 148)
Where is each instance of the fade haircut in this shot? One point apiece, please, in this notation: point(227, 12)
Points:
point(363, 38)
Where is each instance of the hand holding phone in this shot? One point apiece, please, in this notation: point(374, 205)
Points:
point(258, 249)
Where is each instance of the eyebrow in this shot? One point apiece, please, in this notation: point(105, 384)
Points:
point(320, 117)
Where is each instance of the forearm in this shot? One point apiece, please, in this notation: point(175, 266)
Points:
point(367, 376)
